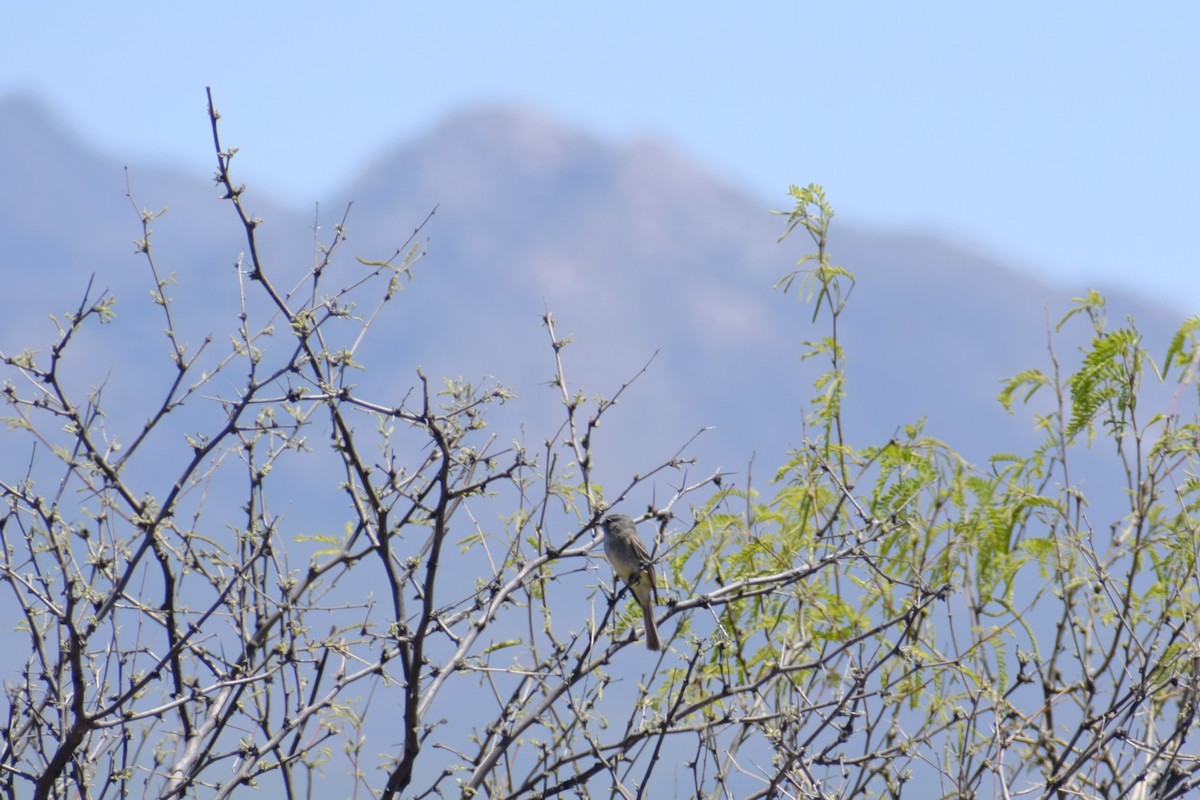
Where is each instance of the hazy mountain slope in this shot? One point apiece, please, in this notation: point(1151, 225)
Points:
point(633, 249)
point(636, 250)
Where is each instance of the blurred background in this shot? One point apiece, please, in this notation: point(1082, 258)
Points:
point(617, 166)
point(1057, 138)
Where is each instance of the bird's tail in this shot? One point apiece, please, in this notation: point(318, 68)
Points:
point(652, 642)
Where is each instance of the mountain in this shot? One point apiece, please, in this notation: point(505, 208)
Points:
point(635, 250)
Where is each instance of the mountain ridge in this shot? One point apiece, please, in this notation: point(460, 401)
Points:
point(636, 250)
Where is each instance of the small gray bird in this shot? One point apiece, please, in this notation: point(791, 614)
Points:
point(631, 560)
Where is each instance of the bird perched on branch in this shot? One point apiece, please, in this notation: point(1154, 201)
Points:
point(631, 560)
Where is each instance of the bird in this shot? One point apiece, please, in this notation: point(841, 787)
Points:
point(631, 560)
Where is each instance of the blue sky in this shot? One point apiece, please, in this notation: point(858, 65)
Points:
point(1058, 136)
